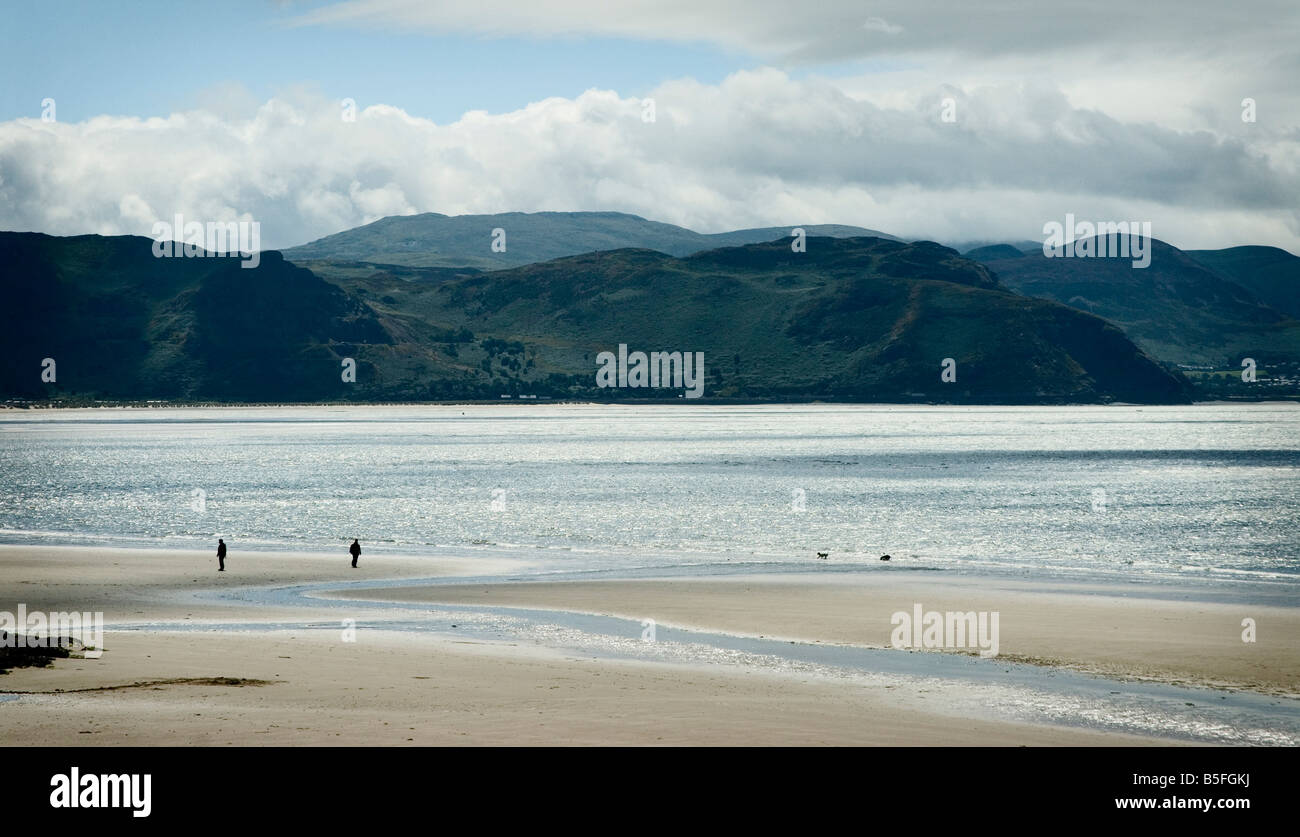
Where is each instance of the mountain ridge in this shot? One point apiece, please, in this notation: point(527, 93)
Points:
point(852, 319)
point(1179, 308)
point(432, 239)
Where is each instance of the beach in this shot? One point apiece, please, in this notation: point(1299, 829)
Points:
point(194, 657)
point(1093, 628)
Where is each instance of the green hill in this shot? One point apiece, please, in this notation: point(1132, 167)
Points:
point(993, 252)
point(1270, 273)
point(121, 324)
point(1178, 309)
point(862, 319)
point(434, 240)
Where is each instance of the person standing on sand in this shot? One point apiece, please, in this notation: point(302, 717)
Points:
point(221, 555)
point(355, 549)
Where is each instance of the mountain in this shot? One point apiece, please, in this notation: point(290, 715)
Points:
point(966, 247)
point(1178, 309)
point(854, 319)
point(122, 324)
point(862, 319)
point(993, 252)
point(434, 240)
point(1270, 273)
point(761, 235)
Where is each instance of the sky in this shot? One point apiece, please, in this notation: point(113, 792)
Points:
point(952, 121)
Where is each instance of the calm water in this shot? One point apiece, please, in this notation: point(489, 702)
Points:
point(1205, 493)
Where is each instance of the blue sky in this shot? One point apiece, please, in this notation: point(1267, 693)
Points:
point(153, 58)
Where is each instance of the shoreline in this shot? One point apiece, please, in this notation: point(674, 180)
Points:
point(542, 562)
point(632, 402)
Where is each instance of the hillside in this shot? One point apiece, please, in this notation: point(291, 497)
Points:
point(435, 240)
point(1177, 309)
point(1270, 273)
point(993, 252)
point(862, 319)
point(121, 324)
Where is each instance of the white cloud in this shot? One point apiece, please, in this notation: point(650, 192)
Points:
point(759, 148)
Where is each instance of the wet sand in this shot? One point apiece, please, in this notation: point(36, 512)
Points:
point(1106, 630)
point(310, 687)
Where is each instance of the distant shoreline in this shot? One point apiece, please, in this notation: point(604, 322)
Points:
point(638, 402)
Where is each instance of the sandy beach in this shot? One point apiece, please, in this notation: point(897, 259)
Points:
point(1100, 631)
point(169, 684)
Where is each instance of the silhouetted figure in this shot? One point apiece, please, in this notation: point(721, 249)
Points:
point(221, 555)
point(884, 557)
point(355, 549)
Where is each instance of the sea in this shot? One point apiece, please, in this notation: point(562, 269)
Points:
point(1205, 493)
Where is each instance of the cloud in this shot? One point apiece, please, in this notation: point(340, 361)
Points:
point(759, 148)
point(837, 29)
point(1166, 61)
point(876, 24)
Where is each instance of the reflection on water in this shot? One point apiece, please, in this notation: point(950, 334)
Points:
point(1151, 492)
